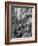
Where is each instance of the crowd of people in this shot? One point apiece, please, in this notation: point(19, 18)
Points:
point(23, 27)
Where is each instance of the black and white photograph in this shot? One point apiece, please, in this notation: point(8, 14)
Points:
point(21, 22)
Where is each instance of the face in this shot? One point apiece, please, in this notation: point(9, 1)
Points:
point(19, 30)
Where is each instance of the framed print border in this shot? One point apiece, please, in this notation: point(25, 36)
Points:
point(7, 22)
